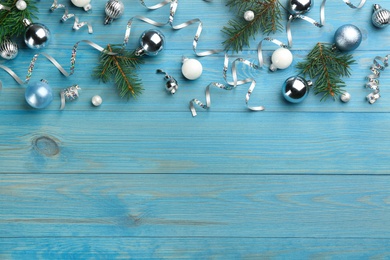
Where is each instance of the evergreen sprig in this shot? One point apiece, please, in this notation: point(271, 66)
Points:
point(11, 21)
point(268, 16)
point(121, 69)
point(326, 65)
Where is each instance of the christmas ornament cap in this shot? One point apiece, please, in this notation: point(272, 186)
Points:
point(152, 42)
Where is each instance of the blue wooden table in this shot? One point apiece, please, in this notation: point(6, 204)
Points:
point(144, 179)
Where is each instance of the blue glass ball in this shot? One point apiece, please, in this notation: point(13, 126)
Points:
point(39, 94)
point(347, 37)
point(295, 89)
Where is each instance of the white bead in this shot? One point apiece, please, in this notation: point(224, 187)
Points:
point(82, 3)
point(191, 69)
point(249, 15)
point(21, 5)
point(97, 100)
point(281, 59)
point(345, 97)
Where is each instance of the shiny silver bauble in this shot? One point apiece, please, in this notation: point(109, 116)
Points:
point(152, 42)
point(8, 49)
point(380, 17)
point(37, 35)
point(114, 9)
point(299, 6)
point(347, 37)
point(171, 85)
point(295, 89)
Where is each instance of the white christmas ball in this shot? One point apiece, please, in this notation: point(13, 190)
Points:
point(21, 5)
point(96, 100)
point(82, 3)
point(249, 15)
point(345, 97)
point(191, 69)
point(281, 59)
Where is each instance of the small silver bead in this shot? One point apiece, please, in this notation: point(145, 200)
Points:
point(345, 97)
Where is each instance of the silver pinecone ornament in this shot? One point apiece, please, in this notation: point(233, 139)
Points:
point(114, 9)
point(380, 17)
point(8, 49)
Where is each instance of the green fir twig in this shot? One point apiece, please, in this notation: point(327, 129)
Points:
point(326, 66)
point(121, 69)
point(268, 17)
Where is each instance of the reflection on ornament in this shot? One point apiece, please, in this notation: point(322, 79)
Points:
point(299, 6)
point(345, 97)
point(8, 49)
point(37, 35)
point(83, 3)
point(281, 59)
point(347, 37)
point(96, 100)
point(21, 5)
point(295, 89)
point(114, 9)
point(39, 95)
point(191, 69)
point(152, 42)
point(249, 15)
point(381, 17)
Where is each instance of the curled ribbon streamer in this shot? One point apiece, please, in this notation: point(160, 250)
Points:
point(77, 24)
point(303, 17)
point(173, 8)
point(373, 82)
point(322, 8)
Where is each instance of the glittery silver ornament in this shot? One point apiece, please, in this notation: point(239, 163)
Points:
point(381, 17)
point(345, 97)
point(37, 35)
point(295, 89)
point(8, 49)
point(152, 42)
point(21, 5)
point(249, 15)
point(299, 6)
point(347, 38)
point(114, 9)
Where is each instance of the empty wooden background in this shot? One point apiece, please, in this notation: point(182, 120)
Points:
point(144, 179)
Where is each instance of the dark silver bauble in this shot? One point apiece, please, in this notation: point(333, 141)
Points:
point(299, 6)
point(347, 38)
point(171, 85)
point(114, 9)
point(381, 17)
point(37, 35)
point(152, 42)
point(295, 89)
point(8, 49)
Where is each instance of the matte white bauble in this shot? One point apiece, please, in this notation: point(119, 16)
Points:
point(281, 59)
point(83, 3)
point(191, 69)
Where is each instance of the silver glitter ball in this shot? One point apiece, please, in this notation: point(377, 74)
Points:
point(347, 38)
point(8, 49)
point(381, 17)
point(299, 6)
point(152, 42)
point(345, 97)
point(37, 35)
point(114, 9)
point(249, 15)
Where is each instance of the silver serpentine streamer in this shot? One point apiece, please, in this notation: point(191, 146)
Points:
point(69, 94)
point(322, 8)
point(373, 79)
point(172, 12)
point(77, 24)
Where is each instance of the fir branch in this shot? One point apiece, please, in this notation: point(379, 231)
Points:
point(268, 16)
point(326, 65)
point(121, 69)
point(11, 21)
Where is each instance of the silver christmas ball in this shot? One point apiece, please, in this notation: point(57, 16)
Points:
point(249, 15)
point(295, 89)
point(299, 6)
point(345, 97)
point(114, 9)
point(152, 42)
point(8, 49)
point(171, 85)
point(37, 35)
point(21, 5)
point(381, 17)
point(347, 38)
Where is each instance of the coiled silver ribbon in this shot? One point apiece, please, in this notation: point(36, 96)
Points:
point(373, 79)
point(77, 24)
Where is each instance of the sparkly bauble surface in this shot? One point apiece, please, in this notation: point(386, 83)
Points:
point(171, 86)
point(21, 5)
point(281, 59)
point(82, 3)
point(295, 89)
point(299, 6)
point(96, 100)
point(345, 97)
point(8, 49)
point(347, 37)
point(39, 94)
point(152, 42)
point(36, 36)
point(249, 15)
point(114, 9)
point(380, 17)
point(191, 69)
